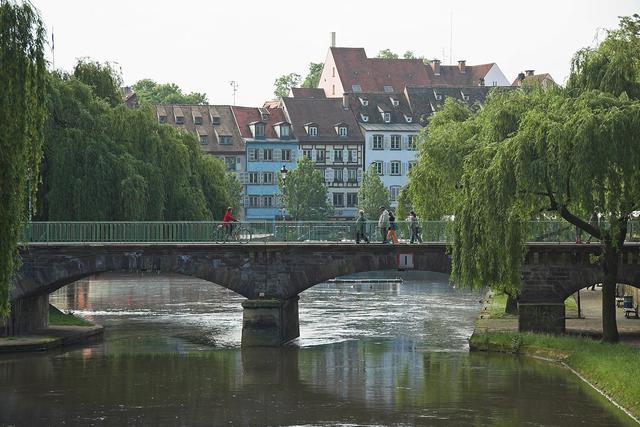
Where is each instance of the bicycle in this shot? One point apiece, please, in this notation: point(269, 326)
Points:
point(238, 233)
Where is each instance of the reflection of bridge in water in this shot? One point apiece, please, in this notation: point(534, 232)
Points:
point(271, 275)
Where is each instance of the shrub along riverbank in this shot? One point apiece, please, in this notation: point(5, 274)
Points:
point(614, 369)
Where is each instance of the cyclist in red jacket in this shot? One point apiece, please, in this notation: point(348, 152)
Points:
point(228, 220)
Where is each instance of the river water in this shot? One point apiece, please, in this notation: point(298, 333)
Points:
point(369, 354)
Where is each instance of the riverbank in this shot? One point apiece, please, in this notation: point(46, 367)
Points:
point(64, 330)
point(612, 369)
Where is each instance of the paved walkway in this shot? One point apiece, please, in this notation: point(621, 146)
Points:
point(590, 322)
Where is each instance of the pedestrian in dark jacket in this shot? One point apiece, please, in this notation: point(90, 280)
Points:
point(361, 225)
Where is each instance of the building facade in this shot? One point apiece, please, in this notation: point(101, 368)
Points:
point(390, 133)
point(270, 144)
point(329, 135)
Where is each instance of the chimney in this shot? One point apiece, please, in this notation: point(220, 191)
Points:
point(333, 39)
point(435, 65)
point(520, 78)
point(345, 101)
point(462, 66)
point(529, 72)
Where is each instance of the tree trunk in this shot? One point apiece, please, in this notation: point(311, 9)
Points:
point(512, 305)
point(610, 268)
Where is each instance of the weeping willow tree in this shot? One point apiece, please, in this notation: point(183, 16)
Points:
point(22, 112)
point(106, 162)
point(569, 152)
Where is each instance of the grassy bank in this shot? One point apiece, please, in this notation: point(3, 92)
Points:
point(612, 368)
point(58, 318)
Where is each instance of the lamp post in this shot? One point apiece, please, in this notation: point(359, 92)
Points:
point(283, 177)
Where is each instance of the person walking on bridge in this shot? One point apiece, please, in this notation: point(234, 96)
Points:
point(393, 227)
point(361, 224)
point(383, 223)
point(414, 227)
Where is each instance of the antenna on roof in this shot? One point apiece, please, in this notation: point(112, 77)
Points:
point(234, 85)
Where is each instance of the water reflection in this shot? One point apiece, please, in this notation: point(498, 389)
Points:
point(367, 356)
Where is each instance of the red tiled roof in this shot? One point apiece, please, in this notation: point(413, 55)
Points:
point(247, 115)
point(373, 74)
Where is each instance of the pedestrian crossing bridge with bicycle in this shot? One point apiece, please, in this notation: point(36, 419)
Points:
point(271, 274)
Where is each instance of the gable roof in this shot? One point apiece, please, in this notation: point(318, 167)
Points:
point(373, 74)
point(245, 116)
point(306, 92)
point(424, 101)
point(226, 126)
point(324, 113)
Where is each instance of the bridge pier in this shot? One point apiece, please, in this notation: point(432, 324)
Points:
point(28, 315)
point(541, 317)
point(270, 322)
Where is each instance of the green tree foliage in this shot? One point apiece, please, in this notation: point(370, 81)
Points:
point(372, 193)
point(104, 79)
point(313, 77)
point(22, 112)
point(305, 195)
point(409, 55)
point(283, 84)
point(404, 204)
point(387, 54)
point(150, 92)
point(564, 152)
point(442, 147)
point(113, 163)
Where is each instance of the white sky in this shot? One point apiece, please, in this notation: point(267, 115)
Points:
point(203, 45)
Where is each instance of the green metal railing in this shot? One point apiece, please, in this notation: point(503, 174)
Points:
point(266, 231)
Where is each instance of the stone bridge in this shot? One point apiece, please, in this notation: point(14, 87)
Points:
point(272, 275)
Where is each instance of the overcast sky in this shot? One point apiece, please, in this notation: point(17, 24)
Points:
point(203, 45)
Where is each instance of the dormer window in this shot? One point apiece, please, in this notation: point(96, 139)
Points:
point(178, 115)
point(215, 120)
point(408, 119)
point(386, 117)
point(225, 140)
point(204, 139)
point(464, 97)
point(342, 131)
point(394, 102)
point(437, 95)
point(197, 120)
point(356, 88)
point(162, 119)
point(259, 130)
point(388, 88)
point(364, 118)
point(283, 130)
point(364, 102)
point(311, 128)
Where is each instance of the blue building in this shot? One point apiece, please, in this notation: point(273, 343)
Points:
point(270, 145)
